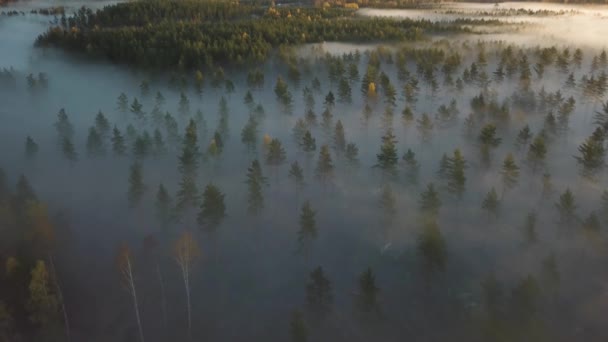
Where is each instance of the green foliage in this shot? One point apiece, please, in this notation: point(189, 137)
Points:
point(95, 147)
point(566, 207)
point(319, 294)
point(136, 184)
point(276, 153)
point(308, 143)
point(431, 249)
point(213, 209)
point(491, 203)
point(255, 182)
point(387, 158)
point(118, 143)
point(456, 173)
point(163, 207)
point(430, 202)
point(31, 147)
point(325, 167)
point(308, 227)
point(367, 297)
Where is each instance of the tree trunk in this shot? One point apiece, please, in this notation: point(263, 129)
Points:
point(60, 297)
point(163, 299)
point(135, 304)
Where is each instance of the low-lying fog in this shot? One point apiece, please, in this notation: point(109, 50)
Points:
point(251, 277)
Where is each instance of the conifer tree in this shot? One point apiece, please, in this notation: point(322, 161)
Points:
point(308, 228)
point(387, 158)
point(249, 134)
point(319, 294)
point(163, 207)
point(118, 143)
point(537, 152)
point(122, 103)
point(255, 182)
point(136, 184)
point(95, 146)
point(592, 155)
point(64, 126)
point(137, 109)
point(31, 147)
point(352, 154)
point(566, 207)
point(68, 150)
point(102, 125)
point(411, 166)
point(367, 297)
point(213, 209)
point(296, 174)
point(430, 202)
point(339, 139)
point(490, 202)
point(509, 173)
point(432, 251)
point(308, 143)
point(456, 173)
point(325, 167)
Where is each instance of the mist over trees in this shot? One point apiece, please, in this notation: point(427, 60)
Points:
point(205, 171)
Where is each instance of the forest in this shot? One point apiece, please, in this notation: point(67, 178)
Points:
point(206, 170)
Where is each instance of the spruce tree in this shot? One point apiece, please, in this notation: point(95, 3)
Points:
point(213, 209)
point(566, 207)
point(387, 158)
point(95, 147)
point(118, 142)
point(102, 125)
point(255, 182)
point(411, 166)
point(308, 228)
point(456, 174)
point(319, 294)
point(430, 202)
point(490, 202)
point(31, 147)
point(367, 297)
point(308, 143)
point(136, 184)
point(325, 167)
point(509, 173)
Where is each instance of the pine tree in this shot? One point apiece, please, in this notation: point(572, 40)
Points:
point(431, 250)
point(339, 139)
point(276, 153)
point(308, 228)
point(456, 176)
point(566, 207)
point(444, 166)
point(95, 146)
point(490, 202)
point(283, 94)
point(352, 154)
point(184, 105)
point(122, 103)
point(319, 295)
point(118, 142)
point(592, 155)
point(308, 143)
point(159, 147)
point(537, 152)
point(137, 109)
point(102, 125)
point(325, 167)
point(367, 298)
point(509, 173)
point(187, 195)
point(163, 207)
point(213, 209)
point(68, 150)
point(387, 158)
point(430, 202)
point(136, 184)
point(255, 182)
point(64, 126)
point(411, 166)
point(249, 134)
point(523, 137)
point(188, 160)
point(425, 127)
point(31, 147)
point(296, 174)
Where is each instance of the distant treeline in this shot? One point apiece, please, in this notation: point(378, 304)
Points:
point(195, 34)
